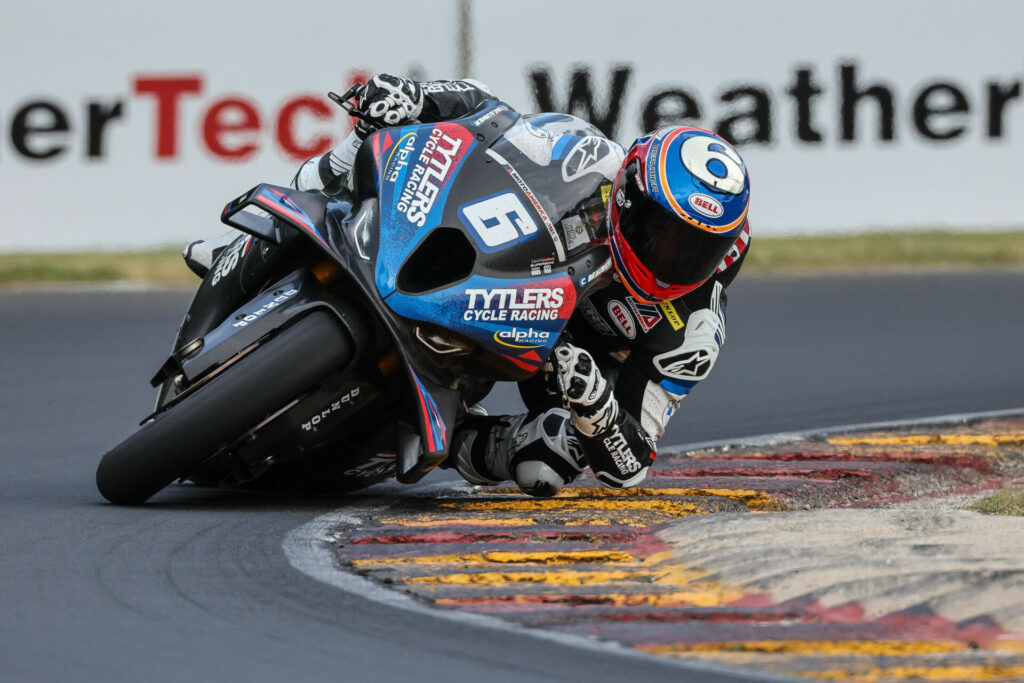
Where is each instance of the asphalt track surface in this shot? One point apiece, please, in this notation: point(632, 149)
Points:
point(196, 586)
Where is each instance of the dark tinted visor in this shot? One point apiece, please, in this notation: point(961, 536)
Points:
point(675, 252)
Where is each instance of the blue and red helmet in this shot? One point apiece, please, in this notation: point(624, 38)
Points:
point(678, 204)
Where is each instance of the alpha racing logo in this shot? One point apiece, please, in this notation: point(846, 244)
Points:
point(400, 156)
point(528, 338)
point(513, 305)
point(427, 178)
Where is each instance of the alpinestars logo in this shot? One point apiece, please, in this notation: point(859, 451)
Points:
point(590, 155)
point(692, 365)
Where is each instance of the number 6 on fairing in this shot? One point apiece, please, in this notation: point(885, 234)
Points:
point(499, 221)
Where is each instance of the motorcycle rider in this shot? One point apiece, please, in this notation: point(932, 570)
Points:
point(676, 222)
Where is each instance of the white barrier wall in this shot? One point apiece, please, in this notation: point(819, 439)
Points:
point(128, 125)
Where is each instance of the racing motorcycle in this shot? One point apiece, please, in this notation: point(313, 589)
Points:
point(338, 340)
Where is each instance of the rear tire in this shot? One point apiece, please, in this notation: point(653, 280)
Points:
point(176, 441)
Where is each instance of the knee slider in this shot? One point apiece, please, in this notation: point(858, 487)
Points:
point(546, 438)
point(537, 479)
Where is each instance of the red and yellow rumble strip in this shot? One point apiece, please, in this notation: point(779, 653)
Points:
point(597, 562)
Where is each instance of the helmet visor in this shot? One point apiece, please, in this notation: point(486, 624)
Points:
point(672, 249)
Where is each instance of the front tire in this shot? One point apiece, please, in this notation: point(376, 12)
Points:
point(175, 442)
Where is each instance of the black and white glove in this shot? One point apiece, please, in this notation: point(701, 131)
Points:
point(391, 100)
point(587, 393)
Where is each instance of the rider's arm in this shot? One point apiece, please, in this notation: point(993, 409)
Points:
point(447, 100)
point(620, 429)
point(430, 102)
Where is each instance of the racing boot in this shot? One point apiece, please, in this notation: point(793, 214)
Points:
point(540, 452)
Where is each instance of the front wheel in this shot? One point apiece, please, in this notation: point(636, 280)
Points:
point(175, 442)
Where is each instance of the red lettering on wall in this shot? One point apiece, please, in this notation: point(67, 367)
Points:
point(286, 120)
point(168, 91)
point(225, 122)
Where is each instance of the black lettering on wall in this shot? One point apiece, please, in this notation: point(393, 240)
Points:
point(939, 99)
point(852, 94)
point(35, 121)
point(998, 96)
point(581, 100)
point(99, 115)
point(803, 91)
point(750, 124)
point(668, 107)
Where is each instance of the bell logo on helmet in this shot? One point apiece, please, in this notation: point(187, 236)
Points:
point(705, 205)
point(621, 318)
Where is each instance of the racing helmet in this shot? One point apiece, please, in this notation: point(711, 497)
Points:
point(678, 204)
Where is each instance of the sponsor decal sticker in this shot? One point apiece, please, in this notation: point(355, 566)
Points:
point(440, 153)
point(528, 338)
point(541, 266)
point(575, 232)
point(399, 157)
point(606, 191)
point(621, 318)
point(672, 315)
point(598, 272)
point(652, 167)
point(706, 205)
point(514, 305)
point(648, 315)
point(490, 115)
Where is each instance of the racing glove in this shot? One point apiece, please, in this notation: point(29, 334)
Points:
point(391, 100)
point(587, 393)
point(386, 101)
point(615, 446)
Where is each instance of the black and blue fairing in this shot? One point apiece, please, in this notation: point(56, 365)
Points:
point(455, 244)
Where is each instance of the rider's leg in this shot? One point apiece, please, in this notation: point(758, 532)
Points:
point(539, 451)
point(328, 173)
point(200, 254)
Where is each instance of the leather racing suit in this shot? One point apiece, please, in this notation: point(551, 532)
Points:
point(652, 356)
